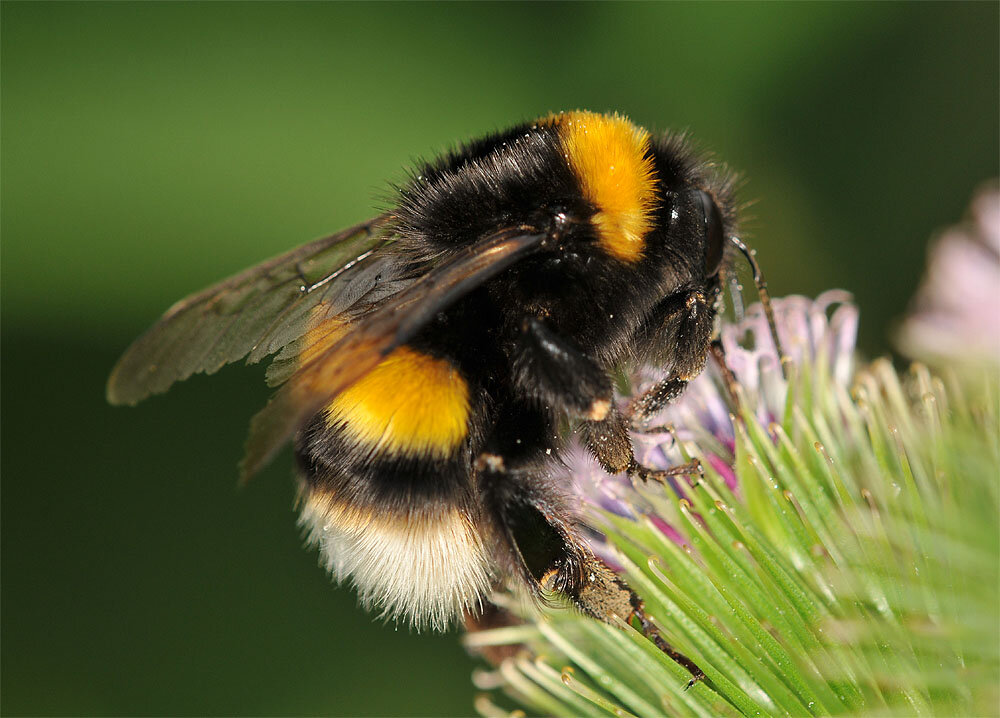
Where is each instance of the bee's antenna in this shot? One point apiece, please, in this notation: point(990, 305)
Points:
point(765, 298)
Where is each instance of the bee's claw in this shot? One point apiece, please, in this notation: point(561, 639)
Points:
point(651, 632)
point(696, 678)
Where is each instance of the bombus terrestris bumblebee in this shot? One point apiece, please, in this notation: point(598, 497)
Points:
point(427, 359)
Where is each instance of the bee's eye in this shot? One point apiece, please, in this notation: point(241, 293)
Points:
point(714, 230)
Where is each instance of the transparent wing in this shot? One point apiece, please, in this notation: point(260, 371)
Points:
point(371, 337)
point(252, 314)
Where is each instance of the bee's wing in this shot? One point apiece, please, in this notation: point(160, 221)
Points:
point(254, 313)
point(371, 337)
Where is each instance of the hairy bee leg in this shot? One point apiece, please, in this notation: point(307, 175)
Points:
point(566, 377)
point(605, 596)
point(683, 327)
point(545, 550)
point(548, 365)
point(651, 401)
point(640, 472)
point(652, 633)
point(611, 445)
point(728, 378)
point(664, 392)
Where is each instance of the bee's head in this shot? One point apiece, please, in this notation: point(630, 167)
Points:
point(695, 214)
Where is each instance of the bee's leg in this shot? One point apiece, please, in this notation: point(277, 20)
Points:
point(542, 546)
point(611, 445)
point(555, 371)
point(558, 373)
point(650, 402)
point(728, 378)
point(681, 330)
point(604, 595)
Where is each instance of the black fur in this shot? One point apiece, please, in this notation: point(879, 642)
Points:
point(555, 372)
point(518, 177)
point(356, 475)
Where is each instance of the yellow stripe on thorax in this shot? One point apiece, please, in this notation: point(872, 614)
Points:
point(610, 157)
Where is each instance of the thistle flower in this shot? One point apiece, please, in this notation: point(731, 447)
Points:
point(839, 555)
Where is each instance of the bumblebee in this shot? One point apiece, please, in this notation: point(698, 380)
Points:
point(428, 359)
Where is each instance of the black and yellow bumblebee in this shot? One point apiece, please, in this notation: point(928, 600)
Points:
point(429, 359)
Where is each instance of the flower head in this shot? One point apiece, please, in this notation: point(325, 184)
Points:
point(838, 556)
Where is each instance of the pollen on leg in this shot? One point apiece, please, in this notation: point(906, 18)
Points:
point(598, 410)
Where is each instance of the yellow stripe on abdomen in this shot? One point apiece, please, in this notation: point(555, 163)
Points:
point(411, 403)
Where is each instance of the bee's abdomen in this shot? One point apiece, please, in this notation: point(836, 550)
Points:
point(410, 405)
point(399, 434)
point(387, 490)
point(422, 567)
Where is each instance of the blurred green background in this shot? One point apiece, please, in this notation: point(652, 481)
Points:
point(149, 149)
